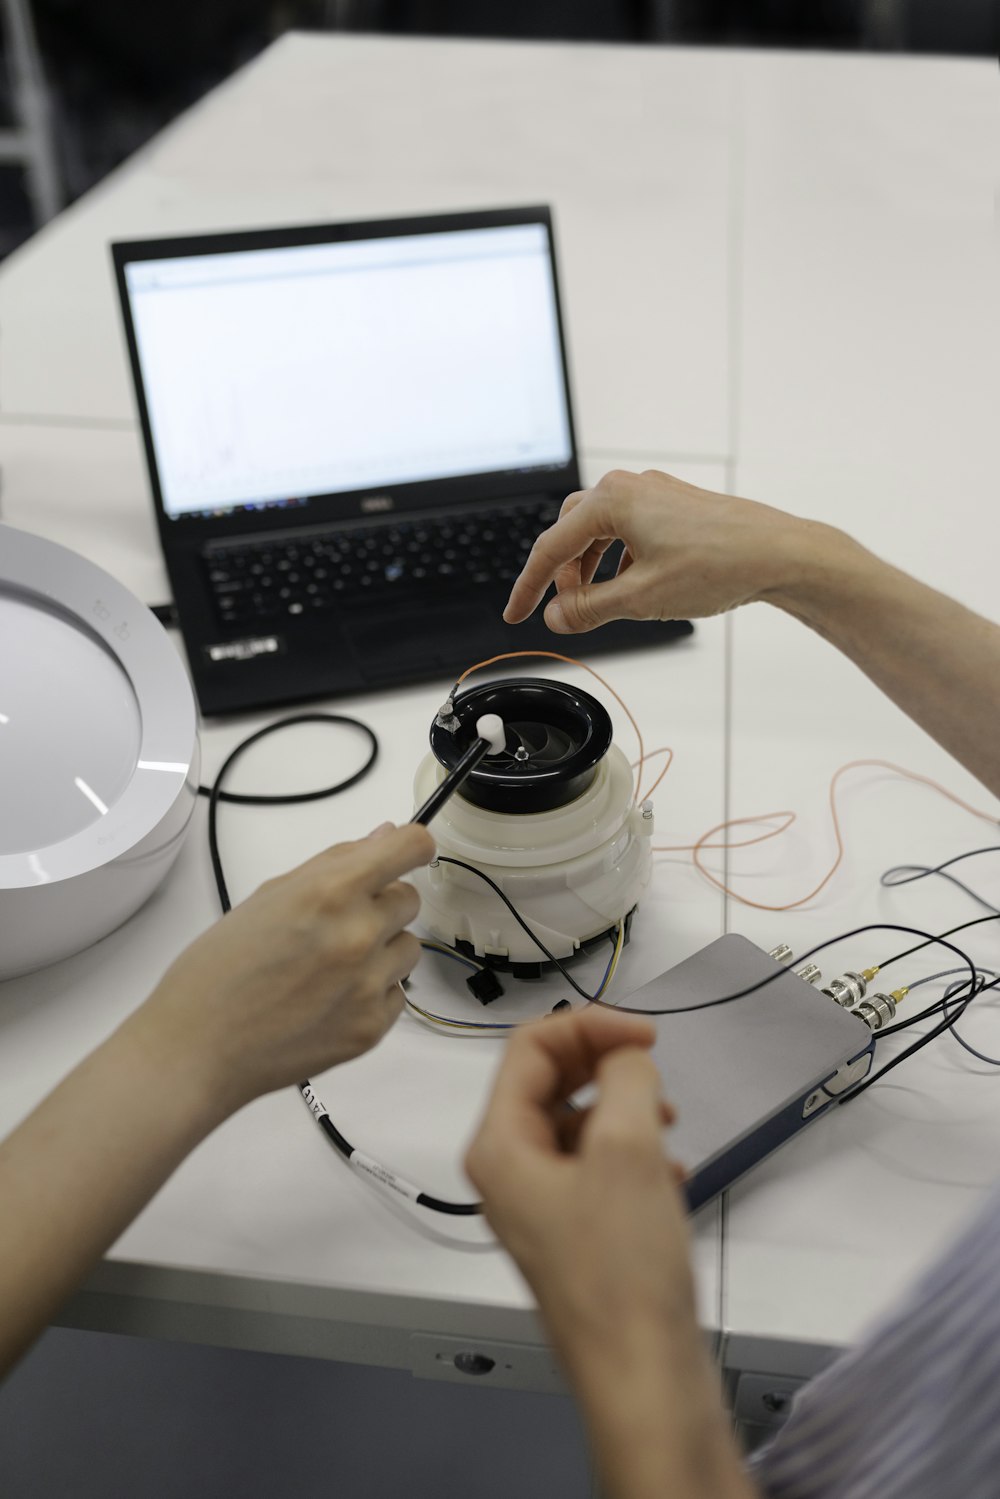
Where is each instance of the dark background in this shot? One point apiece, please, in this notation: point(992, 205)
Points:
point(118, 70)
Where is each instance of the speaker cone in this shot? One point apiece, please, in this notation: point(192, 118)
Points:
point(556, 737)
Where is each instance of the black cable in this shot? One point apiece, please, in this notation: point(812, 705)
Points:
point(350, 1152)
point(921, 871)
point(873, 926)
point(947, 1024)
point(963, 926)
point(762, 983)
point(727, 998)
point(935, 1008)
point(967, 1045)
point(460, 864)
point(442, 1205)
point(941, 1006)
point(903, 1055)
point(215, 794)
point(287, 797)
point(931, 1035)
point(375, 1170)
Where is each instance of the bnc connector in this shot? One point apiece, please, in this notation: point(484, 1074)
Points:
point(809, 973)
point(876, 1011)
point(847, 990)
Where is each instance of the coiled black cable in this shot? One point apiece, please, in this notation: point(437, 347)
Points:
point(216, 794)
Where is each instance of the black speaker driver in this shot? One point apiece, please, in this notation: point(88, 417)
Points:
point(556, 738)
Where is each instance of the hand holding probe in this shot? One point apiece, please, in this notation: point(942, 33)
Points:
point(491, 739)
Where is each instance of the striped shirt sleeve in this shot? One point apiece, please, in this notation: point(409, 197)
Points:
point(914, 1409)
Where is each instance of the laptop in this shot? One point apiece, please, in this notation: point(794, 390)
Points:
point(354, 433)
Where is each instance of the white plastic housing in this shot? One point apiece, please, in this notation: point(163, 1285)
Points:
point(572, 872)
point(99, 753)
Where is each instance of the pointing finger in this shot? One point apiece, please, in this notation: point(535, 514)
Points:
point(564, 542)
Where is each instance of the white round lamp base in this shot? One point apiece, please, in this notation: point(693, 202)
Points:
point(99, 752)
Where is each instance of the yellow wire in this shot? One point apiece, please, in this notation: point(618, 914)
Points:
point(619, 944)
point(454, 1025)
point(484, 1027)
point(451, 951)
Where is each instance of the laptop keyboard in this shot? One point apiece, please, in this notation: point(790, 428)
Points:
point(301, 573)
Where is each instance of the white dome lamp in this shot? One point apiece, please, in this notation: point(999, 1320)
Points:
point(99, 753)
point(551, 820)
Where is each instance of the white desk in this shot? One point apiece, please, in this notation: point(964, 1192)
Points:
point(868, 381)
point(263, 1239)
point(632, 148)
point(819, 1239)
point(762, 259)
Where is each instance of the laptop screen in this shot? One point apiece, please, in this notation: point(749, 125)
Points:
point(274, 375)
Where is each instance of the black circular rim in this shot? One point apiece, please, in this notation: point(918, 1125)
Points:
point(557, 736)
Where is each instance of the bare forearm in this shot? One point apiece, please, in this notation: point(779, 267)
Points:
point(937, 660)
point(303, 975)
point(76, 1172)
point(654, 1413)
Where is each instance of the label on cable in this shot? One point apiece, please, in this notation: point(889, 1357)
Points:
point(315, 1107)
point(385, 1177)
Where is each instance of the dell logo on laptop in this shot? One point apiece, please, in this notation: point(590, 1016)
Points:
point(374, 503)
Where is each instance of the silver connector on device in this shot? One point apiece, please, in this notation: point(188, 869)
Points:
point(876, 1011)
point(847, 990)
point(809, 973)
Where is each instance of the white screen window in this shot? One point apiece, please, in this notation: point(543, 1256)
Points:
point(275, 375)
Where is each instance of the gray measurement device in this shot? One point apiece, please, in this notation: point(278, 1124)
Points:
point(746, 1076)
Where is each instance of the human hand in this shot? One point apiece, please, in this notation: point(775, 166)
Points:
point(302, 975)
point(588, 1203)
point(688, 553)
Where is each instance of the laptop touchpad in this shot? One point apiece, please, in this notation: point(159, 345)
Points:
point(426, 637)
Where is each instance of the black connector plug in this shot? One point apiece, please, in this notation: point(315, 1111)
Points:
point(485, 985)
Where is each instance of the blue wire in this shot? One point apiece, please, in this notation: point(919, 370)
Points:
point(604, 980)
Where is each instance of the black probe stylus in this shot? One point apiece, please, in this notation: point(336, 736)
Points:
point(491, 739)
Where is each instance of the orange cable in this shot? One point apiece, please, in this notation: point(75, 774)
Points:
point(639, 765)
point(909, 775)
point(702, 844)
point(689, 848)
